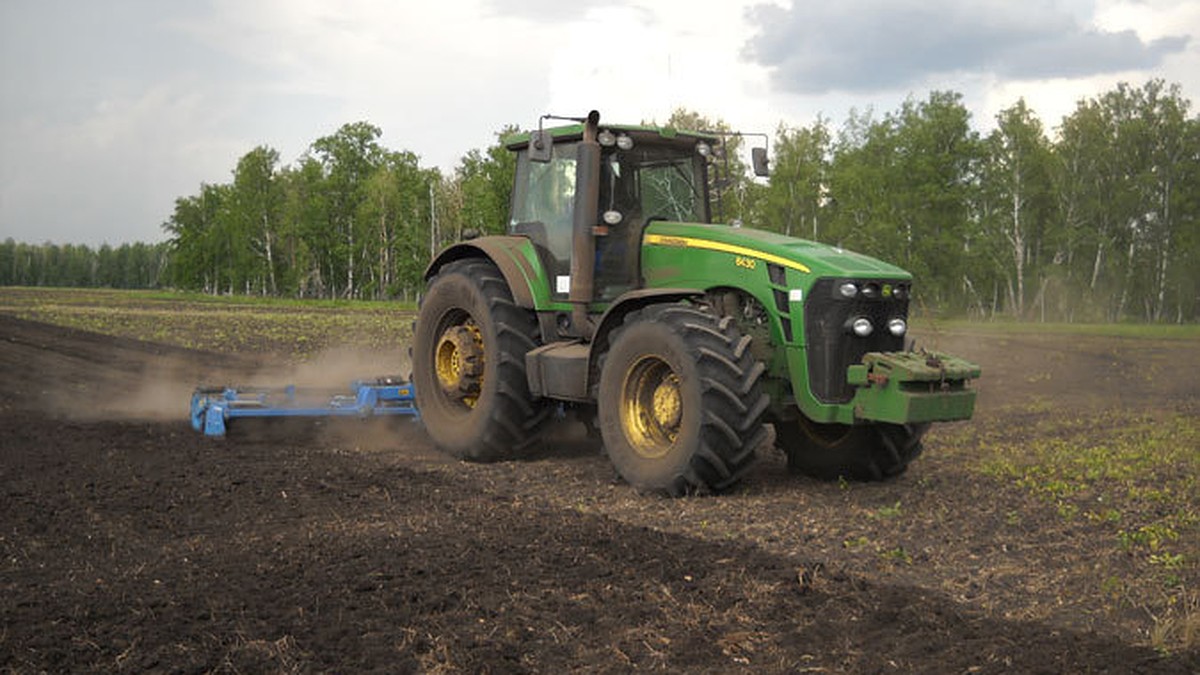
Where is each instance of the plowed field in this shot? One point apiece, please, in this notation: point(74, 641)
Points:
point(1056, 532)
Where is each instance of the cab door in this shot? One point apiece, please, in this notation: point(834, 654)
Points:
point(543, 205)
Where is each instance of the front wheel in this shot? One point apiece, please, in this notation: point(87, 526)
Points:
point(680, 401)
point(863, 452)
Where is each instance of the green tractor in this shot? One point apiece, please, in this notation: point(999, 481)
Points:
point(615, 296)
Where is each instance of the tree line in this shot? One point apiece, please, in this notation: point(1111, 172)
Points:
point(351, 219)
point(1097, 221)
point(135, 265)
point(1100, 223)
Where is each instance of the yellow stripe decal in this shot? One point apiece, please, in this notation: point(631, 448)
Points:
point(692, 242)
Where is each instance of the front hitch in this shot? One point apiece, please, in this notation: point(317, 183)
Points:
point(912, 387)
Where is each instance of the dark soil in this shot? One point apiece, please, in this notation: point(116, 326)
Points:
point(130, 543)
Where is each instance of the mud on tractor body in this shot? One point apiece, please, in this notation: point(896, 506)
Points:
point(614, 294)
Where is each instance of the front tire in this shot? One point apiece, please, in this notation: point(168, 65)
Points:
point(680, 401)
point(469, 347)
point(863, 452)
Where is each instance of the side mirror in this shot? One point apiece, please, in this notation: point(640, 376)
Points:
point(758, 157)
point(541, 146)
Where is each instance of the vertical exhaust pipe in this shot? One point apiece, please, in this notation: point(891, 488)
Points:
point(586, 216)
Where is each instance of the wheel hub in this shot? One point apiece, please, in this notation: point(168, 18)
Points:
point(651, 407)
point(667, 406)
point(458, 360)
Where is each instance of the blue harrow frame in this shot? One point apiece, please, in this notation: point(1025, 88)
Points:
point(214, 407)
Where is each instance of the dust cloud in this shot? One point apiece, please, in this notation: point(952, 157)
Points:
point(339, 367)
point(159, 388)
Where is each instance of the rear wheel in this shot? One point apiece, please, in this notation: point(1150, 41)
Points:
point(469, 348)
point(680, 401)
point(863, 452)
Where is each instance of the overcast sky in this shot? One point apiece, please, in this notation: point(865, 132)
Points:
point(110, 109)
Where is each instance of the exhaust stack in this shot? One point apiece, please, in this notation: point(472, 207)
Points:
point(583, 242)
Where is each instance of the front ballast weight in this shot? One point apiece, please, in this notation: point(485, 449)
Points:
point(213, 408)
point(912, 387)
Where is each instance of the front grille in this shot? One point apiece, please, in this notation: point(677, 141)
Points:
point(832, 349)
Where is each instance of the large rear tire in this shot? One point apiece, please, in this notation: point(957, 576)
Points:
point(680, 401)
point(862, 452)
point(469, 347)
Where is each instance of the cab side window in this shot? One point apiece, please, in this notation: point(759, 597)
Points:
point(545, 194)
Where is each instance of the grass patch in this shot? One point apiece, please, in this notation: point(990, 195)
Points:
point(18, 296)
point(1140, 475)
point(296, 329)
point(1144, 331)
point(1133, 477)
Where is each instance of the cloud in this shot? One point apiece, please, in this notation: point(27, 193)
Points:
point(110, 111)
point(866, 45)
point(547, 11)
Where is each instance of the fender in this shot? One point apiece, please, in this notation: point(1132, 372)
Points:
point(514, 256)
point(631, 302)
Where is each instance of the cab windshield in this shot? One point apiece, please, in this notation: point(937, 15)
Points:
point(660, 182)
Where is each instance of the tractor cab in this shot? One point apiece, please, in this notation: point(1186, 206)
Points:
point(645, 174)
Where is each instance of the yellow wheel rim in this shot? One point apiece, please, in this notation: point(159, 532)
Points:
point(651, 407)
point(458, 361)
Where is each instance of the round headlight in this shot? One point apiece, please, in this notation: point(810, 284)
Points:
point(870, 291)
point(704, 149)
point(862, 327)
point(606, 138)
point(612, 217)
point(900, 292)
point(624, 142)
point(848, 289)
point(897, 327)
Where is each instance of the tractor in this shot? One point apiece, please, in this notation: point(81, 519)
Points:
point(679, 340)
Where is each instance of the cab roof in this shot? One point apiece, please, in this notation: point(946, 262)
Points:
point(640, 134)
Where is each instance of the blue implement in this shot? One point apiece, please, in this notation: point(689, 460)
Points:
point(214, 407)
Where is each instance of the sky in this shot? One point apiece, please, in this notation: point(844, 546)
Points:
point(110, 110)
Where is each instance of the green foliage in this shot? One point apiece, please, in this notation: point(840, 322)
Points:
point(485, 182)
point(351, 219)
point(1015, 209)
point(793, 203)
point(897, 556)
point(1100, 224)
point(888, 512)
point(126, 266)
point(1139, 477)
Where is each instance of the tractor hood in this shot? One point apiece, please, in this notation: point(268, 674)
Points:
point(808, 257)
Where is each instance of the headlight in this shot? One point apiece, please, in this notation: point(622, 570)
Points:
point(606, 138)
point(897, 327)
point(704, 149)
point(862, 327)
point(848, 289)
point(900, 292)
point(625, 142)
point(870, 291)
